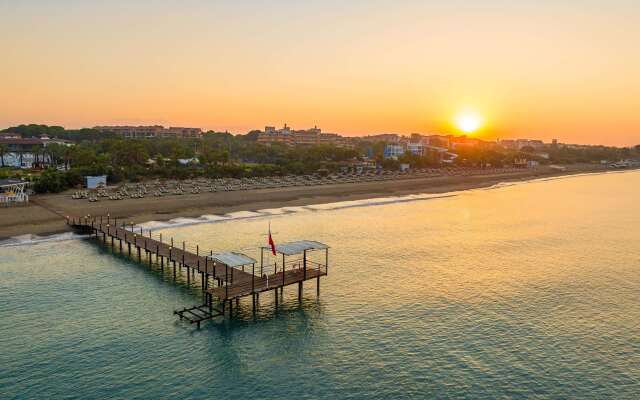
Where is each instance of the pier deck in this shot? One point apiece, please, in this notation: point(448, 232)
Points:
point(233, 282)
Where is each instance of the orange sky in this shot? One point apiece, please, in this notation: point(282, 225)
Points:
point(540, 69)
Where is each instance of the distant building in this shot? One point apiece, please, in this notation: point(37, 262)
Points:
point(417, 149)
point(393, 151)
point(309, 137)
point(151, 132)
point(518, 144)
point(94, 182)
point(385, 137)
point(524, 163)
point(27, 152)
point(462, 142)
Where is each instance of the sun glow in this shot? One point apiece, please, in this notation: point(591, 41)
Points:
point(469, 122)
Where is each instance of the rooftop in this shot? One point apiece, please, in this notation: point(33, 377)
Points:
point(9, 182)
point(232, 259)
point(298, 247)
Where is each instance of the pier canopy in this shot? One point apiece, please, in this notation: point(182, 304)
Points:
point(232, 259)
point(299, 247)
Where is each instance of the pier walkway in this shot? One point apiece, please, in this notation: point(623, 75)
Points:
point(219, 280)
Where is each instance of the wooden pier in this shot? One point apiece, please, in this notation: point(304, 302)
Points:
point(224, 276)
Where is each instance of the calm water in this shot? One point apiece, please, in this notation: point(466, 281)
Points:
point(523, 291)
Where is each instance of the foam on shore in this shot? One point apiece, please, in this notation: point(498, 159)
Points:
point(30, 239)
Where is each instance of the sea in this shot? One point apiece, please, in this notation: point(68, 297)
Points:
point(527, 290)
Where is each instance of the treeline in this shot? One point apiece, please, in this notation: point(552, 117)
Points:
point(568, 155)
point(218, 155)
point(74, 135)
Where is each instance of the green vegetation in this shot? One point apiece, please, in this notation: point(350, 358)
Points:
point(219, 155)
point(35, 130)
point(216, 155)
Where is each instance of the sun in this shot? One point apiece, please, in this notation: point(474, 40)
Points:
point(468, 121)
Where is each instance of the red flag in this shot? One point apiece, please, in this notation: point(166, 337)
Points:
point(273, 245)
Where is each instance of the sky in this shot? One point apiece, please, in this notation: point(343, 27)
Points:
point(564, 69)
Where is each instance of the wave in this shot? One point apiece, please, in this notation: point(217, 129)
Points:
point(269, 212)
point(29, 239)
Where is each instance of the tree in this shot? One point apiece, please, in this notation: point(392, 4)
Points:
point(3, 150)
point(56, 152)
point(50, 181)
point(528, 149)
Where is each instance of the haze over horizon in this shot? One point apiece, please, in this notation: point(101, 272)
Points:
point(542, 70)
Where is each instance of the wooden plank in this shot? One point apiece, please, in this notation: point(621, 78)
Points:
point(191, 260)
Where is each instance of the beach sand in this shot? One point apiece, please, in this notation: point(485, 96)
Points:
point(46, 213)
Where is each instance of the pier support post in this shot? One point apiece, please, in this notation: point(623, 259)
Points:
point(318, 286)
point(300, 291)
point(226, 280)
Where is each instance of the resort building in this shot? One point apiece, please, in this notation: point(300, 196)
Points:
point(518, 144)
point(384, 137)
point(151, 132)
point(310, 137)
point(18, 152)
point(393, 151)
point(417, 149)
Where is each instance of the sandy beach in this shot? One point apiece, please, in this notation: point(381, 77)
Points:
point(46, 213)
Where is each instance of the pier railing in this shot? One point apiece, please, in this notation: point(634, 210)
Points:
point(293, 272)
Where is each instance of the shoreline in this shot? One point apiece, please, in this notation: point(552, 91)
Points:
point(45, 215)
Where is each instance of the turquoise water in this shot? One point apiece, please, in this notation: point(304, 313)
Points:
point(521, 291)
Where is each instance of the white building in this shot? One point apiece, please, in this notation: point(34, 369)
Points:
point(417, 149)
point(393, 151)
point(94, 182)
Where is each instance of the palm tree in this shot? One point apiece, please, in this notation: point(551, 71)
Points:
point(36, 154)
point(3, 150)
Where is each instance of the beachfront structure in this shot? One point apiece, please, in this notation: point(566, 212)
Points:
point(518, 144)
point(384, 137)
point(13, 192)
point(310, 137)
point(417, 149)
point(151, 132)
point(393, 151)
point(95, 182)
point(224, 276)
point(21, 152)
